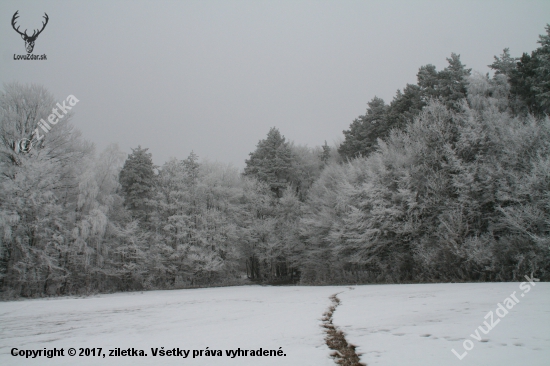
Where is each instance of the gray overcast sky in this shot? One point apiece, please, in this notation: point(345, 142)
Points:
point(214, 76)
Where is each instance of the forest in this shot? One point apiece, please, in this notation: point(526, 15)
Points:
point(449, 182)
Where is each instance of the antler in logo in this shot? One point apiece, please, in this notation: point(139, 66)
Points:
point(29, 40)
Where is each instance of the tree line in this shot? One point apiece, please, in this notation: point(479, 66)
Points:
point(448, 182)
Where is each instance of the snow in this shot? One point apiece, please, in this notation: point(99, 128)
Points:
point(421, 324)
point(390, 324)
point(226, 318)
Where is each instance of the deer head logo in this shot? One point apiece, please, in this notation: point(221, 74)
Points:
point(29, 40)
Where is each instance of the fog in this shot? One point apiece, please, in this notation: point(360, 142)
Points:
point(214, 76)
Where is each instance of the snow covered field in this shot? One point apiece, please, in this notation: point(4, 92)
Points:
point(390, 324)
point(420, 324)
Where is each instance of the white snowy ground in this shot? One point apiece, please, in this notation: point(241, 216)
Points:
point(420, 324)
point(227, 318)
point(389, 323)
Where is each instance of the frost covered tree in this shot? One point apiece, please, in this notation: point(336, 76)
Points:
point(195, 217)
point(137, 179)
point(449, 182)
point(325, 154)
point(306, 167)
point(97, 216)
point(447, 85)
point(38, 193)
point(271, 162)
point(455, 195)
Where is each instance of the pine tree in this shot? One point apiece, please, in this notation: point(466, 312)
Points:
point(504, 64)
point(191, 167)
point(325, 154)
point(452, 82)
point(271, 162)
point(362, 136)
point(428, 81)
point(447, 85)
point(137, 179)
point(404, 107)
point(530, 80)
